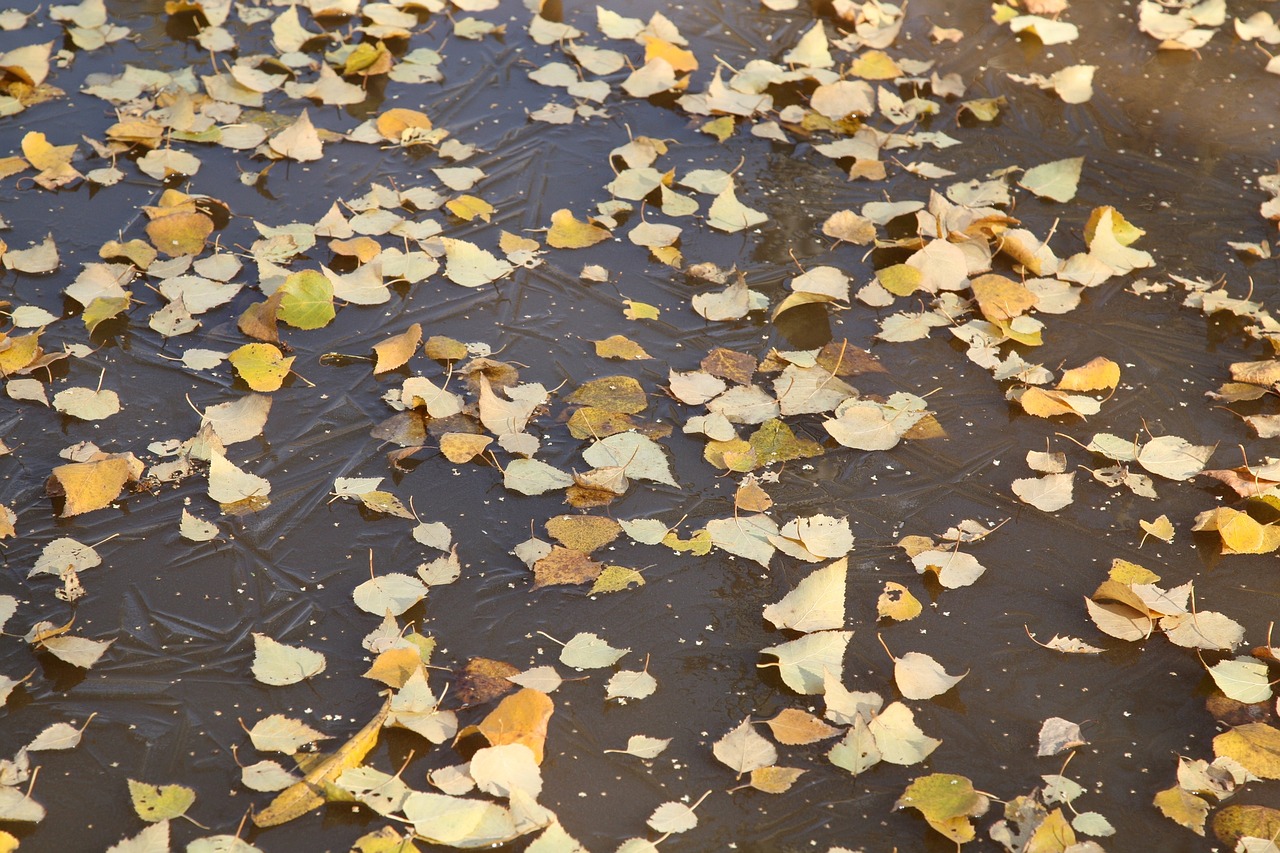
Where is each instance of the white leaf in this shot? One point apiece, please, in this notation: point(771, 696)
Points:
point(803, 663)
point(672, 817)
point(1057, 180)
point(816, 604)
point(587, 651)
point(1048, 493)
point(744, 749)
point(393, 592)
point(228, 484)
point(643, 746)
point(630, 684)
point(640, 457)
point(919, 676)
point(278, 664)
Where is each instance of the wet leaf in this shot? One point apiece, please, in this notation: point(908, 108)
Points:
point(155, 803)
point(620, 347)
point(230, 485)
point(153, 839)
point(946, 801)
point(520, 718)
point(262, 366)
point(1243, 679)
point(306, 301)
point(1183, 807)
point(570, 233)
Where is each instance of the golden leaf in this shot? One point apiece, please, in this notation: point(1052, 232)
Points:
point(396, 350)
point(303, 796)
point(1096, 375)
point(570, 233)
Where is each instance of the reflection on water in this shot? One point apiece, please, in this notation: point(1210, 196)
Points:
point(1174, 140)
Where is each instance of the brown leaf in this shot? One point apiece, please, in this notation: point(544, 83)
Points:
point(565, 566)
point(483, 680)
point(445, 349)
point(731, 365)
point(794, 727)
point(593, 422)
point(844, 359)
point(259, 320)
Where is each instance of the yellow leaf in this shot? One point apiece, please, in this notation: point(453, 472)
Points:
point(1096, 375)
point(41, 154)
point(92, 485)
point(468, 207)
point(1183, 808)
point(509, 243)
point(774, 780)
point(1123, 571)
point(679, 59)
point(584, 533)
point(394, 666)
point(301, 797)
point(639, 310)
point(616, 579)
point(699, 544)
point(460, 447)
point(520, 718)
point(1047, 403)
point(875, 65)
point(19, 352)
point(182, 233)
point(393, 123)
point(721, 128)
point(444, 349)
point(1125, 232)
point(396, 350)
point(1255, 745)
point(1001, 299)
point(897, 602)
point(156, 803)
point(570, 233)
point(1161, 528)
point(620, 347)
point(262, 366)
point(900, 279)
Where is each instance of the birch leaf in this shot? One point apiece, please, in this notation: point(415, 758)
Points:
point(817, 602)
point(919, 676)
point(278, 664)
point(743, 749)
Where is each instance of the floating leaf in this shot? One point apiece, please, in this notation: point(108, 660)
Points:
point(278, 664)
point(262, 366)
point(817, 602)
point(587, 651)
point(744, 750)
point(155, 803)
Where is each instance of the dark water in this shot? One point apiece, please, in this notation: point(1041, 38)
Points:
point(1174, 140)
